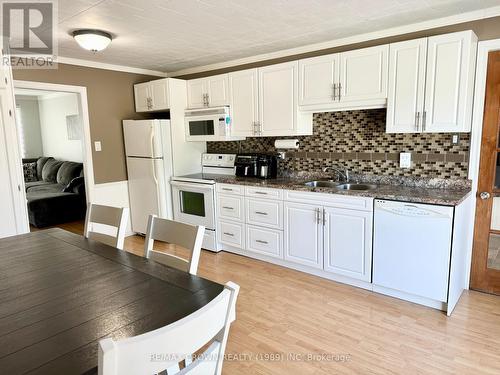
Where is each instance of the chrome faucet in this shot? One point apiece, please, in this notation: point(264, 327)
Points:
point(341, 172)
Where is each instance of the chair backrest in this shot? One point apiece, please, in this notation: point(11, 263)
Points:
point(164, 348)
point(116, 217)
point(187, 236)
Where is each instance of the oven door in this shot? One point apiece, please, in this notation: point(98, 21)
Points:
point(194, 203)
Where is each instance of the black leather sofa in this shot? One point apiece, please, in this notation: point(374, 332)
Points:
point(55, 191)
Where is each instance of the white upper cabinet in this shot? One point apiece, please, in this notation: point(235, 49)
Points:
point(405, 103)
point(431, 84)
point(278, 107)
point(318, 80)
point(278, 99)
point(347, 240)
point(348, 80)
point(152, 96)
point(218, 90)
point(449, 84)
point(208, 92)
point(363, 75)
point(244, 95)
point(159, 94)
point(141, 93)
point(197, 93)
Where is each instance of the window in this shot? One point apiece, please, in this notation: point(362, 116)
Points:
point(20, 131)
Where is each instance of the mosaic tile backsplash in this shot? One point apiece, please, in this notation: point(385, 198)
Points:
point(357, 141)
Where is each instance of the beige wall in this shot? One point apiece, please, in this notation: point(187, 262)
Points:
point(484, 29)
point(110, 100)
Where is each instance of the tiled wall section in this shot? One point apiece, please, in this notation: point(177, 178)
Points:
point(357, 140)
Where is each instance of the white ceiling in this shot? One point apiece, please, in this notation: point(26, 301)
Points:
point(170, 35)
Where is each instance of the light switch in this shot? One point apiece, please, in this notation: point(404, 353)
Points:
point(97, 146)
point(405, 160)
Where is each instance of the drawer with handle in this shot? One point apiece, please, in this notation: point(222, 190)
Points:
point(230, 207)
point(265, 241)
point(264, 212)
point(230, 189)
point(264, 193)
point(231, 234)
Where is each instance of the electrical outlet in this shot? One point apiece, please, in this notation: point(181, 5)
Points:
point(405, 160)
point(455, 138)
point(97, 146)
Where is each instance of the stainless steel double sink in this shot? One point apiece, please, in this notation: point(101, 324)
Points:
point(340, 186)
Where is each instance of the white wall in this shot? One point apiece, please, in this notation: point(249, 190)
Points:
point(53, 111)
point(30, 118)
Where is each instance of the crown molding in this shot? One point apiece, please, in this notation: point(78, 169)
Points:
point(420, 26)
point(100, 65)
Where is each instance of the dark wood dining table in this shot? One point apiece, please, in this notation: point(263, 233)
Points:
point(60, 293)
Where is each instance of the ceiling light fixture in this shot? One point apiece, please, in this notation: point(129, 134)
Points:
point(92, 40)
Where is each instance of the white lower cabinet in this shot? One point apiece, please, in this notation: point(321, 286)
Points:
point(232, 234)
point(347, 241)
point(264, 212)
point(264, 241)
point(325, 234)
point(303, 234)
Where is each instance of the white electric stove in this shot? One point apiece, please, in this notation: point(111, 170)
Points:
point(194, 195)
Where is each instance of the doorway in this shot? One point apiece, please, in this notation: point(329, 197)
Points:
point(485, 271)
point(54, 142)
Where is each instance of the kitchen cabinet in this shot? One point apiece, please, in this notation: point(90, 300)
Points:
point(348, 80)
point(431, 84)
point(264, 212)
point(303, 234)
point(347, 240)
point(208, 92)
point(244, 99)
point(152, 96)
point(318, 79)
point(278, 94)
point(405, 101)
point(337, 240)
point(363, 75)
point(264, 241)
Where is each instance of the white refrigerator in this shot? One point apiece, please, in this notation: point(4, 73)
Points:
point(148, 149)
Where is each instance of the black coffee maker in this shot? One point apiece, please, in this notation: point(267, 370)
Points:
point(256, 165)
point(245, 165)
point(267, 166)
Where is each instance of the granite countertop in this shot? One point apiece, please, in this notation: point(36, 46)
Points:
point(428, 191)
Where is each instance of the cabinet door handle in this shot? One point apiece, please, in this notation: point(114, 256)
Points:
point(417, 119)
point(227, 189)
point(324, 217)
point(318, 216)
point(229, 234)
point(228, 208)
point(334, 91)
point(260, 192)
point(424, 120)
point(261, 241)
point(261, 213)
point(340, 90)
point(208, 100)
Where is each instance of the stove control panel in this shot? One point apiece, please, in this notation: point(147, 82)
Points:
point(218, 160)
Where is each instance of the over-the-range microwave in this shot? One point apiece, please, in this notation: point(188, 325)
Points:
point(209, 124)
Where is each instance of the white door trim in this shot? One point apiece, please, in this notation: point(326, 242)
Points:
point(483, 48)
point(84, 110)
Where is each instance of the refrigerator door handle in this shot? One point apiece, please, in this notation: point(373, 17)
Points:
point(152, 139)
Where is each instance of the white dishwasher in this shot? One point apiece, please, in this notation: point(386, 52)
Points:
point(412, 248)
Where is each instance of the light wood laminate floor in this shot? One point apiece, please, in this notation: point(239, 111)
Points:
point(324, 327)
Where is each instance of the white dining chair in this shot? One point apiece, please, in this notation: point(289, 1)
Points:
point(115, 217)
point(156, 351)
point(187, 236)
